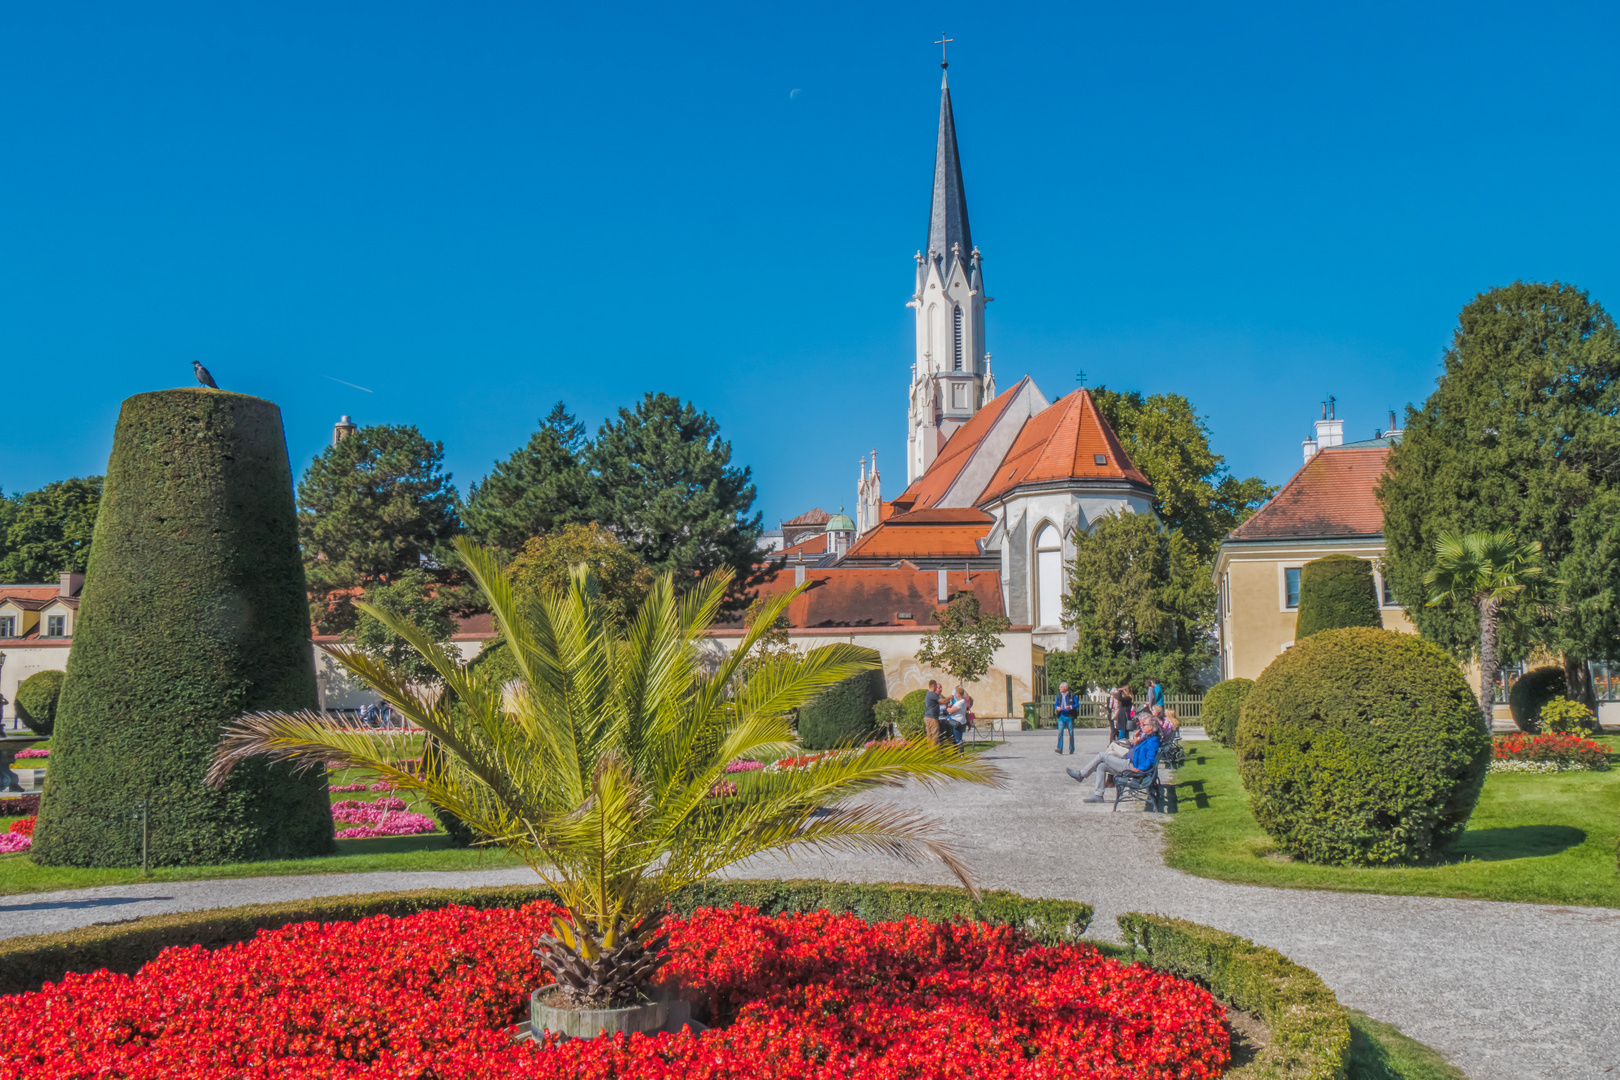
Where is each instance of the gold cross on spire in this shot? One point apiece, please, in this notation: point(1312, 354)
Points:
point(942, 42)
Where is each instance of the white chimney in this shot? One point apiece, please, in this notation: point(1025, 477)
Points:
point(1309, 448)
point(69, 584)
point(944, 590)
point(798, 574)
point(1329, 429)
point(342, 430)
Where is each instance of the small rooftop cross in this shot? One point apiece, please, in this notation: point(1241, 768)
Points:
point(1080, 377)
point(942, 42)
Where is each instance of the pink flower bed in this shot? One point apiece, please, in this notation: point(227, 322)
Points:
point(381, 785)
point(13, 842)
point(381, 817)
point(33, 752)
point(744, 766)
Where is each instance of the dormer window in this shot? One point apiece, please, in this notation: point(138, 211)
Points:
point(56, 626)
point(8, 626)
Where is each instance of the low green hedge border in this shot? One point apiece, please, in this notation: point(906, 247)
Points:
point(1310, 1030)
point(28, 962)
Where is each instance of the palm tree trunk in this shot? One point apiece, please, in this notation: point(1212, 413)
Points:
point(1489, 608)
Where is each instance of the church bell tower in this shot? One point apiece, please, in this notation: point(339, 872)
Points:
point(950, 376)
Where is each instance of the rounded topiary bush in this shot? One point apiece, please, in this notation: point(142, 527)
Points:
point(36, 701)
point(194, 612)
point(1533, 690)
point(1334, 592)
point(1222, 706)
point(1362, 747)
point(911, 715)
point(843, 713)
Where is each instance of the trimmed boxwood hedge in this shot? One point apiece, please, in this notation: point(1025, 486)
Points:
point(27, 962)
point(1223, 704)
point(1362, 747)
point(1310, 1030)
point(842, 714)
point(1534, 689)
point(194, 611)
point(36, 701)
point(1336, 591)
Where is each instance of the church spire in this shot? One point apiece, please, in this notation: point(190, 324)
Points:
point(948, 236)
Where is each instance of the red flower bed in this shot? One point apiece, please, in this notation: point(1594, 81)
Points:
point(23, 826)
point(430, 997)
point(1564, 749)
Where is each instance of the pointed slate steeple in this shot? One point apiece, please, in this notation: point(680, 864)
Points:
point(948, 235)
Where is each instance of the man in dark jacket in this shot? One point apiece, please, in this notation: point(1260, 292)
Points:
point(931, 711)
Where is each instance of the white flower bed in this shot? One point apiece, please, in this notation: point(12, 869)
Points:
point(1535, 766)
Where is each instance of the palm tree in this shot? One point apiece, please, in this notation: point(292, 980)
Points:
point(1485, 570)
point(603, 764)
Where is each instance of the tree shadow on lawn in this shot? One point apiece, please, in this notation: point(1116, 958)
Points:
point(1514, 842)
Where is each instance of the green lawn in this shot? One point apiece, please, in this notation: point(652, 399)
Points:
point(1536, 838)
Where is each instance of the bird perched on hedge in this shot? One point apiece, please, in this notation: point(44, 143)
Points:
point(203, 376)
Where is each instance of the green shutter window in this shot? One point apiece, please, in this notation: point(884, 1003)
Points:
point(1291, 583)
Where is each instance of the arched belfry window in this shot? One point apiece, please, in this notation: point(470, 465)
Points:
point(1048, 576)
point(958, 331)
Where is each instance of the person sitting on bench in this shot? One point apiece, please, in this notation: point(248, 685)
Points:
point(1143, 757)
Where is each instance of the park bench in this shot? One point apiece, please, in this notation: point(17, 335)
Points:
point(1142, 787)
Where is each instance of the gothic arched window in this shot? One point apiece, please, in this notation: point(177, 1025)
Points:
point(958, 318)
point(1048, 576)
point(933, 349)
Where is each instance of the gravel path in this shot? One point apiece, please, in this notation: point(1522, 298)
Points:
point(1507, 991)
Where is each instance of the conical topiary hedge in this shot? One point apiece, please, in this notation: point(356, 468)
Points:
point(1336, 591)
point(193, 612)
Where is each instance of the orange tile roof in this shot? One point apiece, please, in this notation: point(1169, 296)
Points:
point(1063, 442)
point(877, 596)
point(1332, 495)
point(932, 485)
point(925, 534)
point(816, 545)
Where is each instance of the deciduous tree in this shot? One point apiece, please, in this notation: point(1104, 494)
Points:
point(546, 565)
point(966, 641)
point(1521, 435)
point(48, 531)
point(1194, 493)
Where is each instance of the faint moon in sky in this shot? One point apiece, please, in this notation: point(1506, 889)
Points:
point(794, 93)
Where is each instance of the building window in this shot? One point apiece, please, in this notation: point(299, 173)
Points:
point(56, 626)
point(1291, 587)
point(8, 626)
point(1048, 576)
point(1388, 593)
point(958, 318)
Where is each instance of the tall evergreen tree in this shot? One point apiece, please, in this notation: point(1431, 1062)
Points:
point(1194, 493)
point(665, 486)
point(536, 489)
point(370, 508)
point(1142, 602)
point(48, 531)
point(1521, 435)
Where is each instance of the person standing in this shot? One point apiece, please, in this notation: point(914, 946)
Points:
point(931, 711)
point(1155, 694)
point(1066, 706)
point(957, 715)
point(1127, 706)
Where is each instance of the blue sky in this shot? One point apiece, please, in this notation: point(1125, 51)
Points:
point(477, 210)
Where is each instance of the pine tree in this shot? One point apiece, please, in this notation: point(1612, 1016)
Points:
point(48, 531)
point(1521, 436)
point(665, 486)
point(370, 508)
point(536, 489)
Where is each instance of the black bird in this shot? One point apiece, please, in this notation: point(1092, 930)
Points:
point(203, 376)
